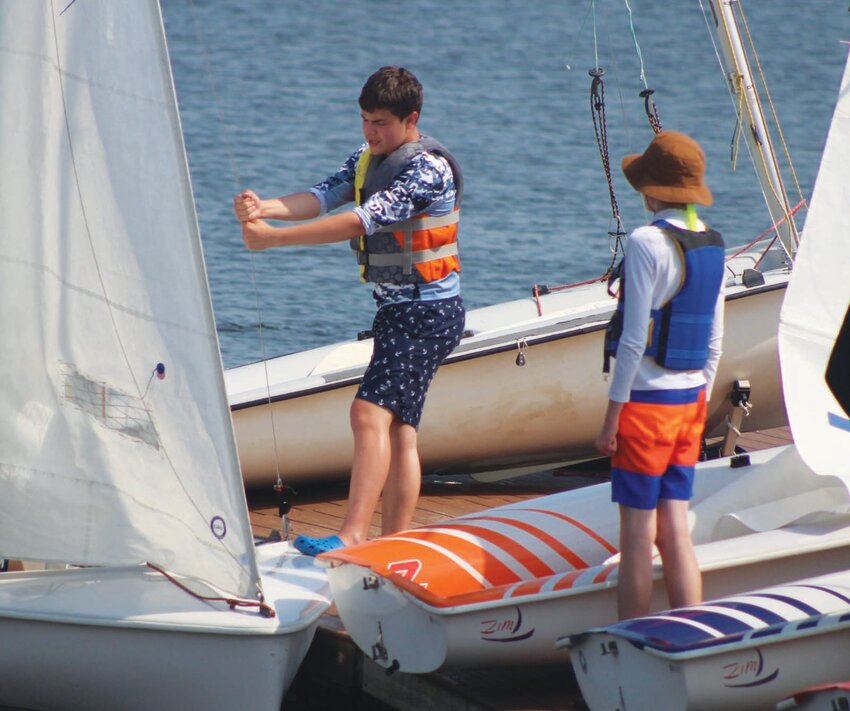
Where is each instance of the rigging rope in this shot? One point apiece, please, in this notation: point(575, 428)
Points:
point(637, 46)
point(737, 86)
point(651, 110)
point(264, 608)
point(597, 102)
point(648, 104)
point(600, 128)
point(235, 177)
point(770, 102)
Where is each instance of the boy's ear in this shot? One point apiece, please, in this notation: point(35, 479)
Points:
point(412, 117)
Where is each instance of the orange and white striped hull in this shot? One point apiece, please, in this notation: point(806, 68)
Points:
point(501, 587)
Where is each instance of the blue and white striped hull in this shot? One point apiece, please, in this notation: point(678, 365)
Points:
point(747, 651)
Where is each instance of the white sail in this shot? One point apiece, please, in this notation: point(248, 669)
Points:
point(814, 315)
point(101, 279)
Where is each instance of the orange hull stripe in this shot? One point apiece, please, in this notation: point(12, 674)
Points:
point(605, 573)
point(534, 565)
point(566, 553)
point(472, 597)
point(494, 571)
point(568, 580)
point(528, 588)
point(580, 526)
point(442, 575)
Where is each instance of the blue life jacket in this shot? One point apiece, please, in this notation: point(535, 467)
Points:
point(680, 330)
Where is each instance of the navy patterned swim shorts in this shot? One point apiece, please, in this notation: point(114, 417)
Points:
point(412, 338)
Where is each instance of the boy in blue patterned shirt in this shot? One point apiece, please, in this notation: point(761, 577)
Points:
point(403, 229)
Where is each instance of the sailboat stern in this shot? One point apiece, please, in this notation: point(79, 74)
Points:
point(455, 593)
point(129, 638)
point(385, 622)
point(745, 651)
point(602, 661)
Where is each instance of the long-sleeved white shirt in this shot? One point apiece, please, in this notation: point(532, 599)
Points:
point(654, 272)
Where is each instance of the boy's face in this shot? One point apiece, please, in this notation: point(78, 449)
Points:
point(384, 131)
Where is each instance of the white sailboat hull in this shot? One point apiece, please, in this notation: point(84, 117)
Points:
point(117, 444)
point(617, 671)
point(484, 413)
point(464, 592)
point(423, 639)
point(128, 638)
point(688, 687)
point(143, 669)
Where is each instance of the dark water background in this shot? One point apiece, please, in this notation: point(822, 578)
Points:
point(268, 97)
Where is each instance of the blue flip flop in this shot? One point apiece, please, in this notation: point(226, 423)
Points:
point(313, 546)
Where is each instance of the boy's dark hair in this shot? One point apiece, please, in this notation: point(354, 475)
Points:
point(394, 89)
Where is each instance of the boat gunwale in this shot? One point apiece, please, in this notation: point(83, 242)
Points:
point(538, 335)
point(256, 625)
point(448, 605)
point(827, 623)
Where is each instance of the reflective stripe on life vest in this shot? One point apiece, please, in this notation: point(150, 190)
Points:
point(421, 249)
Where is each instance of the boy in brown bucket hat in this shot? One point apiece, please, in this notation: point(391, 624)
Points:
point(665, 336)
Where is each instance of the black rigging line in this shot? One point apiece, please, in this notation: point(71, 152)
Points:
point(600, 128)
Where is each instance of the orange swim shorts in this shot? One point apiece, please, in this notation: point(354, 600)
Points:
point(658, 444)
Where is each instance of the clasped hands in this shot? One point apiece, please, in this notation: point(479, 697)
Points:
point(248, 209)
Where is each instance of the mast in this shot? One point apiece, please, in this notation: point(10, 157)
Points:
point(737, 68)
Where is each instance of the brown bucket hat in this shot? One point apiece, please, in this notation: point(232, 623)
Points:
point(670, 169)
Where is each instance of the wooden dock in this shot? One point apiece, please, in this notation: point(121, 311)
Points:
point(337, 675)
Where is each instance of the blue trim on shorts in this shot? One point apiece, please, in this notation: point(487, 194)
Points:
point(678, 483)
point(667, 397)
point(644, 491)
point(640, 491)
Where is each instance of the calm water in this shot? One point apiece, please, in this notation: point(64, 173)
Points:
point(268, 92)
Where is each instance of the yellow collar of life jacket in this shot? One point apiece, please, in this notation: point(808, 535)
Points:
point(421, 249)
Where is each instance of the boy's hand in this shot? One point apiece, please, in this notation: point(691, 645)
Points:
point(256, 234)
point(247, 206)
point(606, 440)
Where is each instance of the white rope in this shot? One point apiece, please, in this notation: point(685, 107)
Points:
point(237, 181)
point(637, 46)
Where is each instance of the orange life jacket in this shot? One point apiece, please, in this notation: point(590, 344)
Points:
point(421, 249)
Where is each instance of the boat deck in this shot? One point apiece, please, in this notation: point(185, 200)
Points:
point(335, 674)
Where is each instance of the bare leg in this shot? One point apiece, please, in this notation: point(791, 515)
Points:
point(682, 576)
point(371, 425)
point(634, 580)
point(401, 491)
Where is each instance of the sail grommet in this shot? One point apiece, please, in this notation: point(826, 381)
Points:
point(218, 527)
